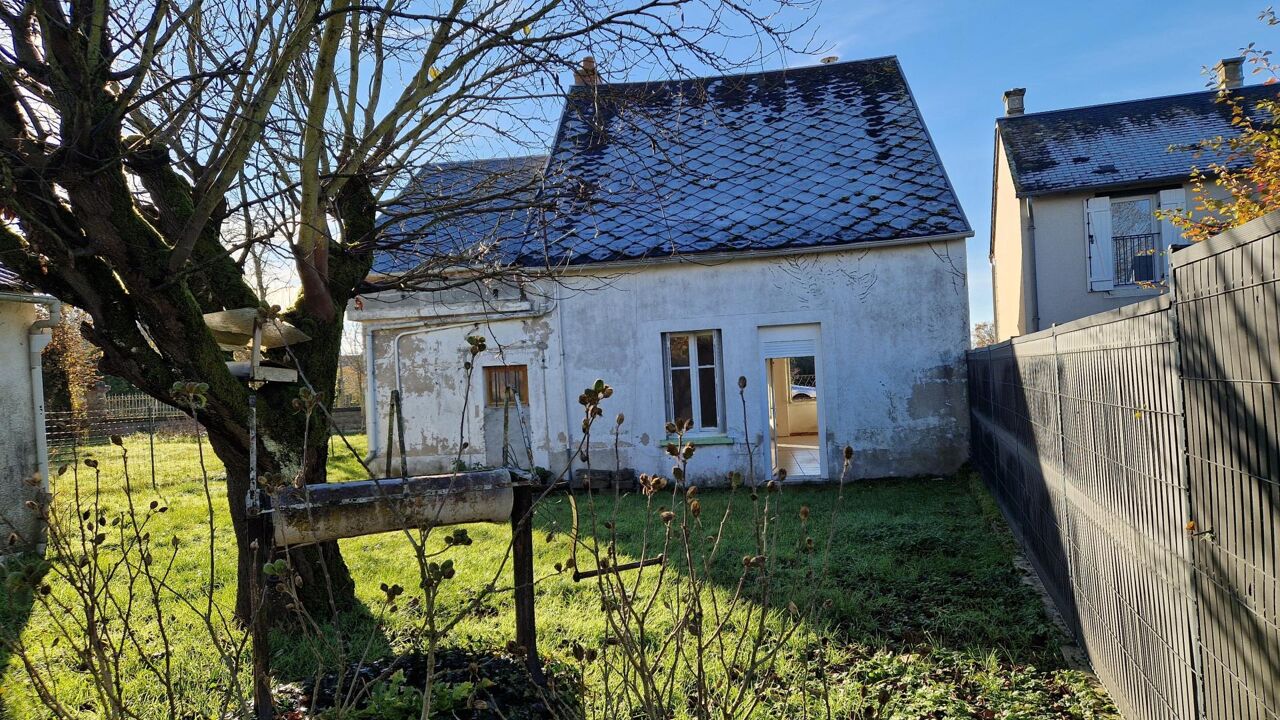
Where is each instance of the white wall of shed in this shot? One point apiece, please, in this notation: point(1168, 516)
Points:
point(894, 326)
point(18, 459)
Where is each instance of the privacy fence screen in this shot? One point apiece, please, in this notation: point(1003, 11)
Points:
point(1136, 454)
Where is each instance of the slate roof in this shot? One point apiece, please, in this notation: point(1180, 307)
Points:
point(828, 155)
point(1118, 144)
point(10, 282)
point(470, 209)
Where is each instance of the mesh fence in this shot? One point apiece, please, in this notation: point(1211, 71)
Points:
point(1135, 455)
point(161, 439)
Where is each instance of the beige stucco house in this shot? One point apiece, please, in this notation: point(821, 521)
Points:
point(23, 456)
point(794, 228)
point(1075, 194)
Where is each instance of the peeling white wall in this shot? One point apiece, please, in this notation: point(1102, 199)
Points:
point(17, 424)
point(894, 326)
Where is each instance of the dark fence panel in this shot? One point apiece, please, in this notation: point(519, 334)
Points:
point(1229, 314)
point(1101, 439)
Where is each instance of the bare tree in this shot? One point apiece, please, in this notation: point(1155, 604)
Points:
point(133, 136)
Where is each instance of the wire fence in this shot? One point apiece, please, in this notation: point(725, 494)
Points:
point(1135, 455)
point(160, 438)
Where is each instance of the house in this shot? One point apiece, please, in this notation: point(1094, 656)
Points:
point(1075, 193)
point(23, 454)
point(792, 228)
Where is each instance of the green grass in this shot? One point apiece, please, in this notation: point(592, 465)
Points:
point(927, 616)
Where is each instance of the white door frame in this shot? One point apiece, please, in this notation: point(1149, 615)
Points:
point(784, 341)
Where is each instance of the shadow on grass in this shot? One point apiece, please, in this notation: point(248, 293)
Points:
point(16, 602)
point(913, 562)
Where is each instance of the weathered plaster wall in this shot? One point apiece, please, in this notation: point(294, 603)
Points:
point(17, 424)
point(894, 326)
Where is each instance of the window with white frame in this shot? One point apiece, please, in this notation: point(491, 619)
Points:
point(694, 383)
point(1128, 246)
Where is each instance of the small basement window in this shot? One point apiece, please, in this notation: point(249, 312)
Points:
point(694, 380)
point(499, 379)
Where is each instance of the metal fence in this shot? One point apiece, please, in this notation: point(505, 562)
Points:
point(160, 439)
point(1135, 455)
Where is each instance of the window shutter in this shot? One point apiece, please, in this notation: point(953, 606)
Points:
point(1102, 266)
point(1172, 201)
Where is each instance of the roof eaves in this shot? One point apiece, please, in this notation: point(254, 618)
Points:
point(730, 255)
point(1099, 187)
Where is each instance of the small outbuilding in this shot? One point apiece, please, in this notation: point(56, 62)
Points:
point(24, 465)
point(793, 228)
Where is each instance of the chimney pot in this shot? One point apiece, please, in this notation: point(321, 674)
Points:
point(1230, 73)
point(586, 73)
point(1013, 101)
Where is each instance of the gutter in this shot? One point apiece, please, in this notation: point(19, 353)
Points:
point(710, 258)
point(1033, 277)
point(37, 341)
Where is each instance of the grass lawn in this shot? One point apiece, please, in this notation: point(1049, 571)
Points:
point(927, 616)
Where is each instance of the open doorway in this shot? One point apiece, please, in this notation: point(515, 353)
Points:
point(793, 415)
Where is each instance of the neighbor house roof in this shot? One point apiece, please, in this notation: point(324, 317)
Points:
point(473, 210)
point(10, 282)
point(829, 155)
point(1119, 144)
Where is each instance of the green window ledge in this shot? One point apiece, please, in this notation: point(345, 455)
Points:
point(697, 440)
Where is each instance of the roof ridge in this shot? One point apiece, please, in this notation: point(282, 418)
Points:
point(1135, 101)
point(753, 73)
point(502, 158)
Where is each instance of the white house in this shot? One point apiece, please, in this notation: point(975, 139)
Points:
point(793, 228)
point(1075, 193)
point(22, 441)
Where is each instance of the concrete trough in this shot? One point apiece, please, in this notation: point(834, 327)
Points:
point(333, 511)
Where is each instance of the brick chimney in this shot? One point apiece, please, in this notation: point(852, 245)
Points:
point(1230, 73)
point(1013, 101)
point(586, 73)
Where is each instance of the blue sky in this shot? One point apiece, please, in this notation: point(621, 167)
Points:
point(960, 56)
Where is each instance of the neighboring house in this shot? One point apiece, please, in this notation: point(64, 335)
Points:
point(22, 441)
point(794, 228)
point(1075, 192)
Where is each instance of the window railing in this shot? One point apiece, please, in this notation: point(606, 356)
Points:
point(1138, 258)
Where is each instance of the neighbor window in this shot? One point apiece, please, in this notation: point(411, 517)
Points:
point(499, 379)
point(1128, 246)
point(693, 379)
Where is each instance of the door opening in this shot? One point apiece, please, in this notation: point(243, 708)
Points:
point(793, 415)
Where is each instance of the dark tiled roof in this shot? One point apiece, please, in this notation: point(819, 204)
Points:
point(819, 156)
point(470, 209)
point(1119, 144)
point(10, 282)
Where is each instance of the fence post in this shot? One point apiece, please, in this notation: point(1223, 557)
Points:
point(1069, 545)
point(151, 441)
point(1184, 478)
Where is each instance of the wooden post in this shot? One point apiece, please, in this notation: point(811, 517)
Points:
point(522, 566)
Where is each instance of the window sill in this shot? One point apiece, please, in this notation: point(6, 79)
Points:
point(699, 440)
point(1131, 291)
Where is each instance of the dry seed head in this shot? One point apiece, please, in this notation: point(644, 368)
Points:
point(695, 507)
point(804, 512)
point(671, 428)
point(848, 452)
point(742, 382)
point(620, 419)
